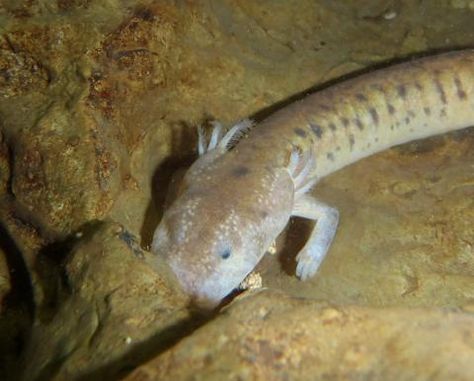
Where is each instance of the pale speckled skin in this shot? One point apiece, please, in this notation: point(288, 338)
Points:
point(241, 200)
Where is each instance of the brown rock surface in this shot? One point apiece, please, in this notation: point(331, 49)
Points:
point(64, 163)
point(271, 336)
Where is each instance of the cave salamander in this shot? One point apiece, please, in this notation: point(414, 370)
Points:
point(247, 183)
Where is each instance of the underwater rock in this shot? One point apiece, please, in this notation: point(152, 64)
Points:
point(117, 309)
point(65, 161)
point(65, 170)
point(20, 73)
point(271, 336)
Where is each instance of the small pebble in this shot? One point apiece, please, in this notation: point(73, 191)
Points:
point(390, 15)
point(253, 281)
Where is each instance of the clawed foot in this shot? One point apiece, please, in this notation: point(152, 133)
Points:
point(326, 219)
point(307, 265)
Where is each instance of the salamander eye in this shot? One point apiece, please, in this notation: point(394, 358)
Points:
point(224, 254)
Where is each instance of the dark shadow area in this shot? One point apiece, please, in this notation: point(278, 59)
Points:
point(297, 234)
point(50, 274)
point(22, 288)
point(18, 309)
point(183, 140)
point(55, 288)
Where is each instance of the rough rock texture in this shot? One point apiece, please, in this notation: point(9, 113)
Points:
point(98, 107)
point(64, 162)
point(112, 310)
point(270, 336)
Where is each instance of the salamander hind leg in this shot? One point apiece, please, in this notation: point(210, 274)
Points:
point(317, 246)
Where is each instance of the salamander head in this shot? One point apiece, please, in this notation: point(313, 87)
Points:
point(228, 211)
point(209, 247)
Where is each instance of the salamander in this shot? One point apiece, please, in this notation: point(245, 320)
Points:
point(239, 195)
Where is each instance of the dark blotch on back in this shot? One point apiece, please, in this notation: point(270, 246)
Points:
point(332, 126)
point(427, 110)
point(330, 156)
point(300, 132)
point(402, 91)
point(359, 124)
point(361, 97)
point(459, 90)
point(378, 87)
point(441, 92)
point(345, 122)
point(316, 128)
point(351, 141)
point(374, 114)
point(390, 109)
point(240, 171)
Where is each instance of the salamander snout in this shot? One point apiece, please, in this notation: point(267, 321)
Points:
point(209, 260)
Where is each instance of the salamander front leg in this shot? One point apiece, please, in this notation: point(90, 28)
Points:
point(315, 249)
